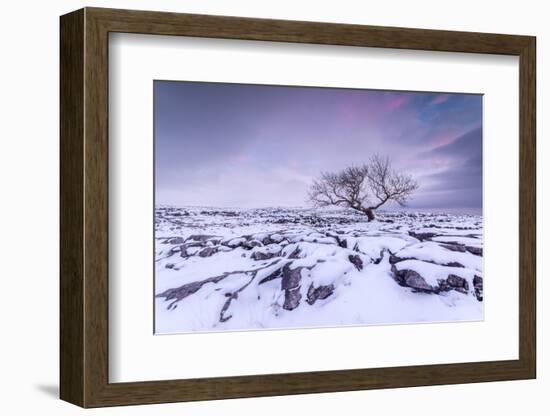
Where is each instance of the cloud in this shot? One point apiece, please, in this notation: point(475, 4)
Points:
point(460, 182)
point(253, 145)
point(467, 145)
point(395, 102)
point(243, 187)
point(440, 99)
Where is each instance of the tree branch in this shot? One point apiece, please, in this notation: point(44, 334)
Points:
point(353, 186)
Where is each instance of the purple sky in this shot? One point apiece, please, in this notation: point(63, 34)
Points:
point(238, 145)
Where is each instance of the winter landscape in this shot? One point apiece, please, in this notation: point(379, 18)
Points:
point(280, 207)
point(286, 268)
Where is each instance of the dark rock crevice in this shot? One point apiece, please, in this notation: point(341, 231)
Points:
point(290, 284)
point(355, 259)
point(319, 292)
point(478, 287)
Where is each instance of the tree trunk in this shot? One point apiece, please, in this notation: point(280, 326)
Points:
point(370, 213)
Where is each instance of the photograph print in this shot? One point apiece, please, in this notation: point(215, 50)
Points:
point(283, 207)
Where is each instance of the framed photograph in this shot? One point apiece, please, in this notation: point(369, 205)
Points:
point(255, 207)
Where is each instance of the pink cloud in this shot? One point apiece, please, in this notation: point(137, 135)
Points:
point(395, 102)
point(443, 139)
point(440, 99)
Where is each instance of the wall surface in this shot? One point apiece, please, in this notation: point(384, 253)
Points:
point(29, 209)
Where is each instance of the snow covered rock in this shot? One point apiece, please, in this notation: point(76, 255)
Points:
point(356, 261)
point(478, 287)
point(478, 251)
point(290, 283)
point(454, 247)
point(208, 251)
point(251, 244)
point(266, 253)
point(320, 292)
point(422, 236)
point(412, 279)
point(199, 238)
point(454, 282)
point(291, 267)
point(174, 240)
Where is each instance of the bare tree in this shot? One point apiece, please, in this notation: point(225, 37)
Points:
point(364, 188)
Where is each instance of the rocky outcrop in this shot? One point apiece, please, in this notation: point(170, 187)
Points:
point(272, 276)
point(462, 248)
point(208, 251)
point(202, 238)
point(454, 282)
point(422, 236)
point(396, 259)
point(290, 284)
point(265, 255)
point(341, 242)
point(478, 251)
point(319, 292)
point(478, 287)
point(295, 253)
point(179, 293)
point(174, 240)
point(355, 259)
point(250, 244)
point(459, 248)
point(412, 279)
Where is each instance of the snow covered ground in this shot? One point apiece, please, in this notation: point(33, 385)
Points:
point(239, 269)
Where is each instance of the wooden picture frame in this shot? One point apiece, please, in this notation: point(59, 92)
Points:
point(84, 207)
